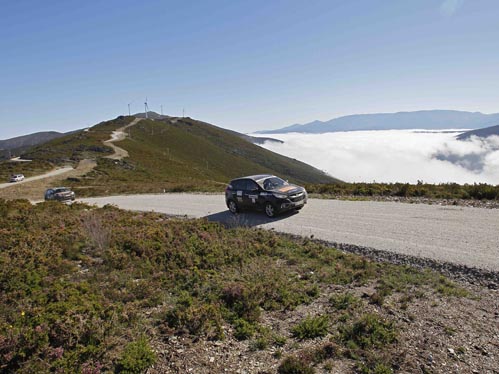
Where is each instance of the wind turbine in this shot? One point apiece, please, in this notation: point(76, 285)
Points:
point(161, 109)
point(146, 108)
point(129, 107)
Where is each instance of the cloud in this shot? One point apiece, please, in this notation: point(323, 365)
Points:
point(395, 156)
point(449, 7)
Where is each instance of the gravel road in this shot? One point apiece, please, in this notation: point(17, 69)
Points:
point(460, 235)
point(52, 173)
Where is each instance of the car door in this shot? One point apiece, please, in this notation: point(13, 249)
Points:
point(251, 194)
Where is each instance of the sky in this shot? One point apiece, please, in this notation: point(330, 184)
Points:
point(405, 156)
point(243, 65)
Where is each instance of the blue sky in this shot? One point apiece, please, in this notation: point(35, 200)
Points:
point(244, 65)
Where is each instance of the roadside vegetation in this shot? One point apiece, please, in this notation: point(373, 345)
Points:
point(29, 169)
point(94, 290)
point(480, 191)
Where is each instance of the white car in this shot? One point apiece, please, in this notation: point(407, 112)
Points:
point(16, 177)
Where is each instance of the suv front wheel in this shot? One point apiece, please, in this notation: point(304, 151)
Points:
point(269, 210)
point(233, 208)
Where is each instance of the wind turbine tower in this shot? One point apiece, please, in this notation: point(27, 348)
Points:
point(146, 108)
point(161, 109)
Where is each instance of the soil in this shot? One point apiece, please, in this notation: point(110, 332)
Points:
point(436, 334)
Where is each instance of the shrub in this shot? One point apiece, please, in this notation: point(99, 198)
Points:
point(369, 331)
point(344, 301)
point(294, 365)
point(311, 327)
point(244, 329)
point(137, 357)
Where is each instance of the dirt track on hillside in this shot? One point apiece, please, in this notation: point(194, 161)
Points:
point(117, 136)
point(35, 189)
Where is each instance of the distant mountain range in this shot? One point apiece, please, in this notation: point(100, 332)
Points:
point(424, 119)
point(481, 133)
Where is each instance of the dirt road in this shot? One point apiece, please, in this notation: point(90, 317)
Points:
point(34, 188)
point(51, 173)
point(116, 136)
point(461, 235)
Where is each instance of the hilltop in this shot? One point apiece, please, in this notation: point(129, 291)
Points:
point(168, 154)
point(423, 119)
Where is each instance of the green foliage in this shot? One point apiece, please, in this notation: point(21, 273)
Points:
point(77, 283)
point(344, 301)
point(243, 329)
point(368, 331)
point(294, 365)
point(311, 327)
point(136, 357)
point(475, 191)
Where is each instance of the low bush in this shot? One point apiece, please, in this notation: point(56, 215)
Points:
point(294, 365)
point(368, 331)
point(311, 327)
point(136, 357)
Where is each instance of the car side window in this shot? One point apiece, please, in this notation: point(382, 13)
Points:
point(251, 185)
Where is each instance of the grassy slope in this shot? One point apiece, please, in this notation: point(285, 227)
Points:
point(78, 285)
point(185, 156)
point(79, 145)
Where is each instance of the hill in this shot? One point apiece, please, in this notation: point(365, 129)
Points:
point(424, 119)
point(169, 154)
point(15, 146)
point(251, 139)
point(480, 133)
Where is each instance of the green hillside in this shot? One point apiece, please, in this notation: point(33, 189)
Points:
point(172, 154)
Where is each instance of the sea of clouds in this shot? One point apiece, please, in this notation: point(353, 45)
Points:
point(395, 155)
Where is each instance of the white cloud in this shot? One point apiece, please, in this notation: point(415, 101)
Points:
point(395, 156)
point(449, 7)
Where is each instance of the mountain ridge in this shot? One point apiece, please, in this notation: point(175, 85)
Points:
point(480, 133)
point(438, 119)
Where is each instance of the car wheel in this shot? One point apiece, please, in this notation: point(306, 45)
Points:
point(269, 210)
point(233, 208)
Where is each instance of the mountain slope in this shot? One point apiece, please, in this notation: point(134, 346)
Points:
point(425, 119)
point(481, 133)
point(15, 146)
point(171, 154)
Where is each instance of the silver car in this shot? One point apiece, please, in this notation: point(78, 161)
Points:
point(16, 178)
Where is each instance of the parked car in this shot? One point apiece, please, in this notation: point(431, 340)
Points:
point(264, 192)
point(16, 178)
point(60, 194)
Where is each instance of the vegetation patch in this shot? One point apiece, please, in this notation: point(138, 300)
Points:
point(476, 191)
point(97, 290)
point(311, 327)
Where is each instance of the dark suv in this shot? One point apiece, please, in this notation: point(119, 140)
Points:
point(264, 192)
point(59, 194)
